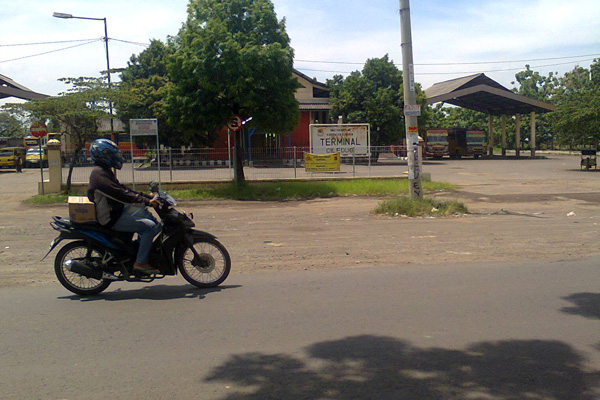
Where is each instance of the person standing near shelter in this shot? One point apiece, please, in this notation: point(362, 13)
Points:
point(18, 162)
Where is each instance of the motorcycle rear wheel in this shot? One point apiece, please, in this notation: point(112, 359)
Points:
point(72, 281)
point(210, 269)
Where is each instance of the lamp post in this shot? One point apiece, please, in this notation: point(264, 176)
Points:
point(70, 16)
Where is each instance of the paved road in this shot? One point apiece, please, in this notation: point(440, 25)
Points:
point(485, 330)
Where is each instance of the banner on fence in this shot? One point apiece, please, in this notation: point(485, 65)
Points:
point(346, 139)
point(322, 162)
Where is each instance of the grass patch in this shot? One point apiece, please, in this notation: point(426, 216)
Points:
point(405, 206)
point(48, 199)
point(281, 191)
point(303, 190)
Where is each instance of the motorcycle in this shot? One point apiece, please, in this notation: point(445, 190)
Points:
point(97, 256)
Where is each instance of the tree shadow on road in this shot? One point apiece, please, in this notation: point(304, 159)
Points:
point(586, 305)
point(382, 368)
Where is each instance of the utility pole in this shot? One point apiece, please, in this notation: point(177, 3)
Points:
point(411, 109)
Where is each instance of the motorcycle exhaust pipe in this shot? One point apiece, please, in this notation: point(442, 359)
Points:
point(84, 270)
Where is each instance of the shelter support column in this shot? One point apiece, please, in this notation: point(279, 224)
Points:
point(532, 140)
point(491, 135)
point(518, 135)
point(503, 124)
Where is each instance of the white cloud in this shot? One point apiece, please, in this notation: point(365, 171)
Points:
point(333, 30)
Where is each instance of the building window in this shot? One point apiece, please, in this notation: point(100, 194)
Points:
point(319, 117)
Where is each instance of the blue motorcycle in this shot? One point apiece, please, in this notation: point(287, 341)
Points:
point(96, 256)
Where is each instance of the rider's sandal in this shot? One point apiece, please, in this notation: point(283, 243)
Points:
point(146, 270)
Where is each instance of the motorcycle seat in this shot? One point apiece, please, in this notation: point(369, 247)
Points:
point(93, 226)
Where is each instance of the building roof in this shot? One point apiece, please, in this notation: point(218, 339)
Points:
point(314, 82)
point(480, 93)
point(10, 88)
point(312, 95)
point(307, 105)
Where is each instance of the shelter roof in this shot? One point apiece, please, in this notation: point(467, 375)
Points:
point(480, 93)
point(10, 88)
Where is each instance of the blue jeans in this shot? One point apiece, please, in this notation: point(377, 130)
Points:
point(141, 221)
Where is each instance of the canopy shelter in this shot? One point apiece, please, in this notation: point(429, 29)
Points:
point(480, 93)
point(10, 88)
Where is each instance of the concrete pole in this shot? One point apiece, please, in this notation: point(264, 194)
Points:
point(412, 127)
point(532, 140)
point(491, 135)
point(503, 125)
point(518, 135)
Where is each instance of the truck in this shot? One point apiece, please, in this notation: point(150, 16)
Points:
point(455, 143)
point(476, 144)
point(466, 143)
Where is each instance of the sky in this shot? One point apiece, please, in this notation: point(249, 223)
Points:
point(451, 38)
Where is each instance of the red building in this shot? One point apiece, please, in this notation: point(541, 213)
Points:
point(313, 99)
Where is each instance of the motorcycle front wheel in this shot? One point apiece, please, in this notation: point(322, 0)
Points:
point(210, 268)
point(76, 283)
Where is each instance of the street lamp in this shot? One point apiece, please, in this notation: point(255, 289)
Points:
point(70, 16)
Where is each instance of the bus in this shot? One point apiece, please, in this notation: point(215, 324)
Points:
point(32, 141)
point(436, 143)
point(476, 143)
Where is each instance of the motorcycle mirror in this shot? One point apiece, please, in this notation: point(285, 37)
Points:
point(153, 186)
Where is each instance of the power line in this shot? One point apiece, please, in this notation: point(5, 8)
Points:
point(511, 61)
point(87, 41)
point(465, 72)
point(503, 69)
point(52, 51)
point(129, 42)
point(38, 43)
point(460, 63)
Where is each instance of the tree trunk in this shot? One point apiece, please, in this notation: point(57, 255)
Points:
point(238, 164)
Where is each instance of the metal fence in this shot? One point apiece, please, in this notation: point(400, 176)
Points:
point(260, 164)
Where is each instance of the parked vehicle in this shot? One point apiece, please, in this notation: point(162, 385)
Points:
point(455, 143)
point(436, 143)
point(32, 142)
point(34, 157)
point(8, 155)
point(476, 143)
point(96, 256)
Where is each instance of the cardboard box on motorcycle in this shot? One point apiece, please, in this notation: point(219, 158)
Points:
point(81, 209)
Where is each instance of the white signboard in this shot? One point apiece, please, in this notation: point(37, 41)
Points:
point(143, 127)
point(412, 110)
point(346, 139)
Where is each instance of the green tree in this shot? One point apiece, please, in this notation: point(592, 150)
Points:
point(232, 57)
point(375, 96)
point(577, 100)
point(10, 126)
point(77, 111)
point(372, 96)
point(144, 88)
point(532, 84)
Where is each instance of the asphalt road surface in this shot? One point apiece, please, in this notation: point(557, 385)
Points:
point(326, 301)
point(471, 331)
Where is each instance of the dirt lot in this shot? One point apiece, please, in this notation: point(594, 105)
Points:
point(520, 209)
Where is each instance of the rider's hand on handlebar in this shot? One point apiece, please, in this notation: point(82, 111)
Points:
point(154, 203)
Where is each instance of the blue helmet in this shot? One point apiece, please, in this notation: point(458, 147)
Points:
point(106, 154)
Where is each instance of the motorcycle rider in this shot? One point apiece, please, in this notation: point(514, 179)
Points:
point(119, 207)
